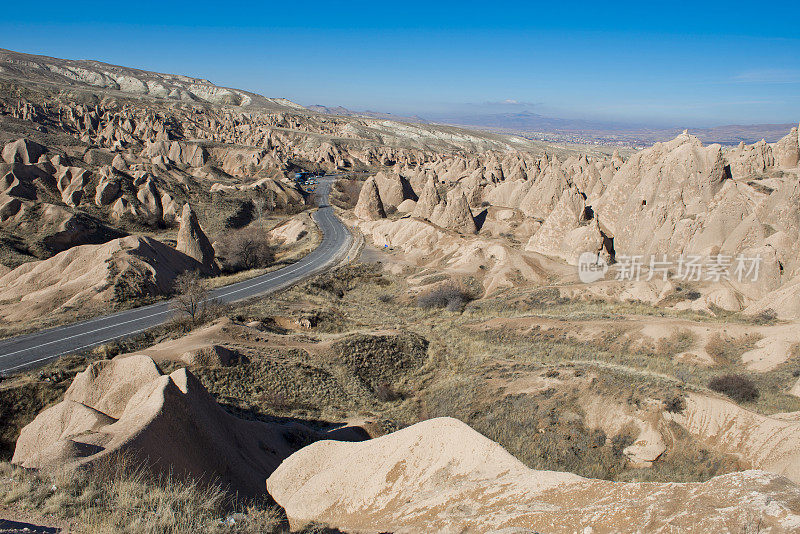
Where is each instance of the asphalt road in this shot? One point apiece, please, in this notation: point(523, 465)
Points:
point(32, 350)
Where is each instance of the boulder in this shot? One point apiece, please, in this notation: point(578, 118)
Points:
point(119, 163)
point(406, 206)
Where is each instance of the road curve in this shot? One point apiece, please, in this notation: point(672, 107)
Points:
point(32, 350)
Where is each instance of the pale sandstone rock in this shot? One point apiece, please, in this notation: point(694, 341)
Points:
point(457, 215)
point(23, 151)
point(84, 277)
point(440, 475)
point(169, 422)
point(787, 150)
point(568, 231)
point(762, 442)
point(428, 200)
point(369, 206)
point(193, 242)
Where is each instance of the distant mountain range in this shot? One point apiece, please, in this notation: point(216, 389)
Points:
point(555, 129)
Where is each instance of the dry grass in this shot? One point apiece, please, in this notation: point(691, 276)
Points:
point(113, 497)
point(676, 343)
point(728, 350)
point(546, 430)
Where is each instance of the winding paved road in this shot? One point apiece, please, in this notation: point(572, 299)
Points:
point(32, 350)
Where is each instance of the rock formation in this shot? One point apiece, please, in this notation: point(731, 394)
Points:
point(440, 475)
point(91, 277)
point(569, 230)
point(393, 189)
point(763, 442)
point(193, 242)
point(23, 151)
point(428, 200)
point(369, 206)
point(126, 406)
point(457, 215)
point(787, 150)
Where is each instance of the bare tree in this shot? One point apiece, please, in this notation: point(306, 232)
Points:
point(260, 204)
point(191, 294)
point(243, 249)
point(265, 202)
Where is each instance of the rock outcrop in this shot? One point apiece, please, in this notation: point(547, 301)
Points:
point(91, 277)
point(763, 442)
point(193, 242)
point(23, 151)
point(456, 214)
point(393, 189)
point(569, 230)
point(787, 150)
point(169, 423)
point(428, 200)
point(369, 206)
point(440, 475)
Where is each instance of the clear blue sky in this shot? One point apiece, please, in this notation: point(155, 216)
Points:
point(694, 63)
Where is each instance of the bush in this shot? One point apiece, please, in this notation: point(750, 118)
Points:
point(244, 249)
point(765, 317)
point(737, 387)
point(339, 281)
point(677, 342)
point(676, 404)
point(449, 296)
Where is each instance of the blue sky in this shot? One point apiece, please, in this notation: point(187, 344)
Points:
point(693, 64)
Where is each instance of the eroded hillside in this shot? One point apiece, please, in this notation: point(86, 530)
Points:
point(462, 348)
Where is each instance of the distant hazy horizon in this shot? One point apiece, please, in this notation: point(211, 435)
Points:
point(700, 64)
